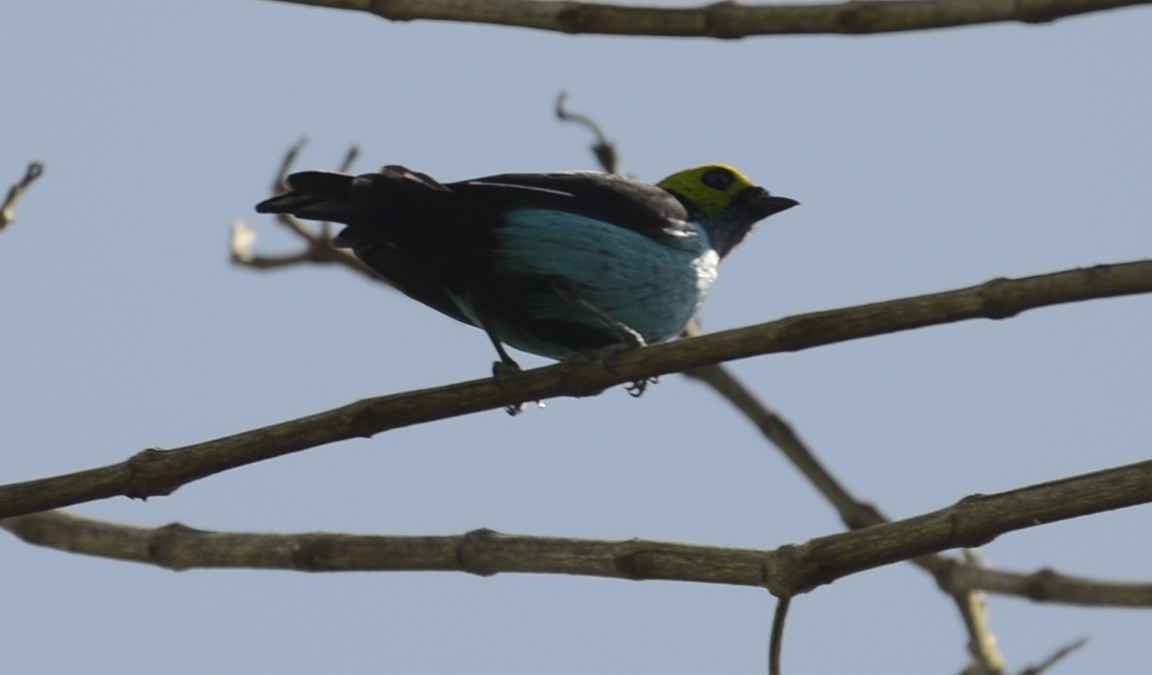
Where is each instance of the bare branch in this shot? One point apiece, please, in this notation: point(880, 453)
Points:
point(728, 20)
point(603, 149)
point(1052, 660)
point(855, 513)
point(350, 158)
point(973, 605)
point(8, 208)
point(319, 249)
point(278, 184)
point(955, 577)
point(1047, 585)
point(159, 472)
point(776, 640)
point(482, 552)
point(786, 571)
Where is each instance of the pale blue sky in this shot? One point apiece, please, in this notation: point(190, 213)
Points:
point(924, 162)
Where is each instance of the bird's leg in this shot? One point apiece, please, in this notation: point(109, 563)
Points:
point(629, 338)
point(506, 365)
point(503, 368)
point(566, 290)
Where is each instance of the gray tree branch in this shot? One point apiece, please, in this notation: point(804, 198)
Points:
point(786, 571)
point(727, 20)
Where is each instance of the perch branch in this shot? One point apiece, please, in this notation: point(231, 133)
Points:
point(159, 472)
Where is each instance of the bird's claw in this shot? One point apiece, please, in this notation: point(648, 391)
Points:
point(501, 370)
point(608, 357)
point(636, 389)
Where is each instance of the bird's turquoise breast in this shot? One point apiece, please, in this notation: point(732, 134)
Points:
point(652, 286)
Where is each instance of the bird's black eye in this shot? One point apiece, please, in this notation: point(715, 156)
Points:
point(718, 178)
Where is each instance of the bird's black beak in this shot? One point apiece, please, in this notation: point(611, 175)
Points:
point(764, 204)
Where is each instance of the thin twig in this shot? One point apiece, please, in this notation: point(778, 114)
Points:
point(776, 640)
point(318, 246)
point(350, 158)
point(286, 162)
point(8, 208)
point(1052, 660)
point(982, 646)
point(855, 514)
point(603, 149)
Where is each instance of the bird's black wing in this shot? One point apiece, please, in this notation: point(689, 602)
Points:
point(371, 206)
point(426, 238)
point(619, 200)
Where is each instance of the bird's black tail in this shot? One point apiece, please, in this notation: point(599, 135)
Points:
point(395, 220)
point(315, 195)
point(373, 205)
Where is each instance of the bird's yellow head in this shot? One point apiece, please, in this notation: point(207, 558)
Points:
point(710, 188)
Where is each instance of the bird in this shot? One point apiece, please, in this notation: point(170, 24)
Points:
point(552, 264)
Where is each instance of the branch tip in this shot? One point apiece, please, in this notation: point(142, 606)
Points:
point(603, 149)
point(8, 208)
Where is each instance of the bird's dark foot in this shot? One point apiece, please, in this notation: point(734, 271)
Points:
point(637, 388)
point(501, 370)
point(608, 360)
point(607, 355)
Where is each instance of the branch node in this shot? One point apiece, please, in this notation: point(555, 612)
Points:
point(163, 544)
point(571, 18)
point(1038, 585)
point(472, 553)
point(996, 299)
point(141, 482)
